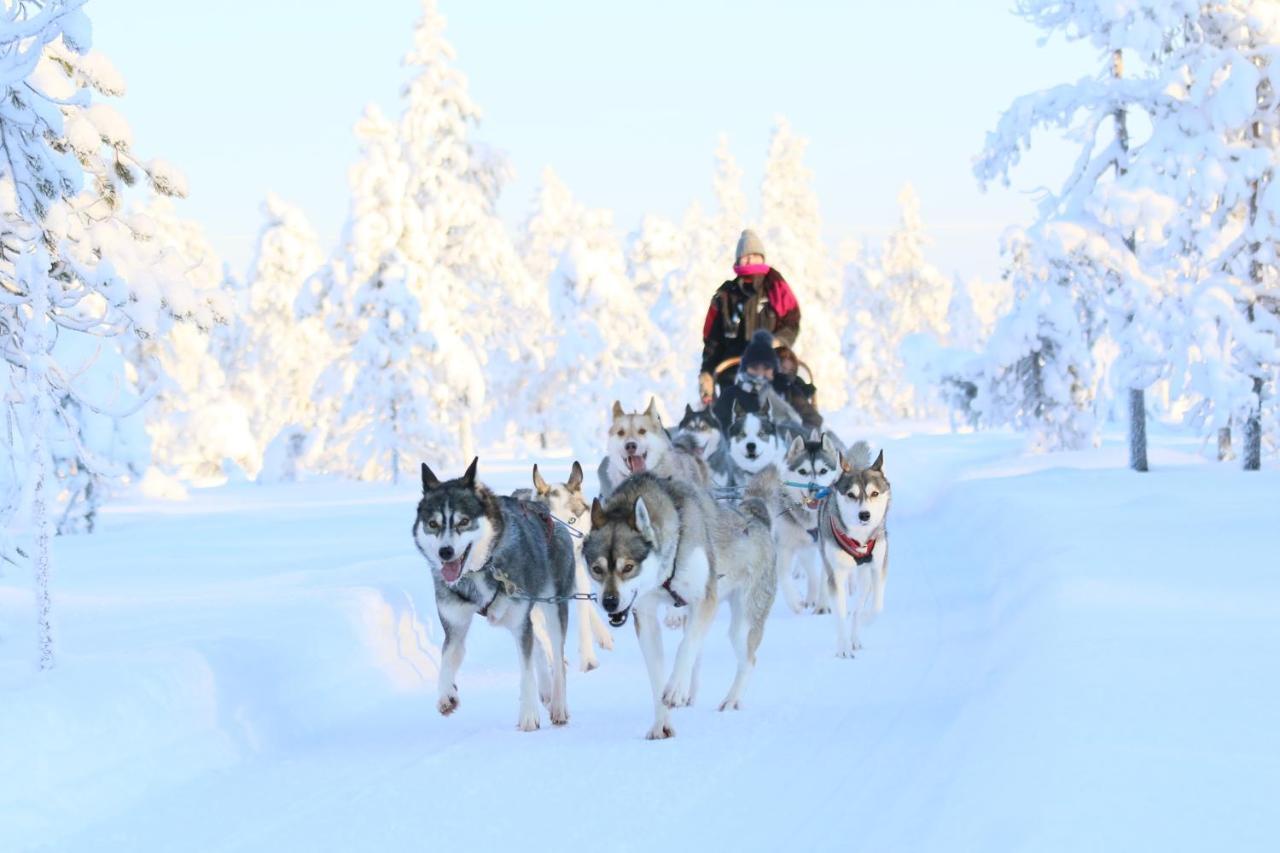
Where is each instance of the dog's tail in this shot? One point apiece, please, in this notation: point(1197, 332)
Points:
point(858, 456)
point(762, 496)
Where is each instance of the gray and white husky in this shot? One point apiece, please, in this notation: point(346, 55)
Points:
point(855, 548)
point(758, 440)
point(701, 430)
point(567, 505)
point(638, 442)
point(662, 541)
point(487, 555)
point(808, 470)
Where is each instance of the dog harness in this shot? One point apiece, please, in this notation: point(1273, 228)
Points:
point(676, 597)
point(861, 552)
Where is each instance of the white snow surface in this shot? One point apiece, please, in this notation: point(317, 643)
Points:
point(1072, 657)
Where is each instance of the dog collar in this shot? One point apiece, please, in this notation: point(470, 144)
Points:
point(860, 551)
point(817, 494)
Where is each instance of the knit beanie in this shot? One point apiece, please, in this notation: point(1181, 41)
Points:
point(749, 244)
point(759, 352)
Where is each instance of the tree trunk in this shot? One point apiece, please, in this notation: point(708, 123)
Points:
point(1137, 396)
point(1224, 444)
point(1137, 429)
point(1253, 431)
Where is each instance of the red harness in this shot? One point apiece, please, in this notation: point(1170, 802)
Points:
point(861, 552)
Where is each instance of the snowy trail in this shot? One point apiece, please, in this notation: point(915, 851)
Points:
point(1059, 666)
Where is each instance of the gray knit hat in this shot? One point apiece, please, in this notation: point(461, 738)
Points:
point(749, 244)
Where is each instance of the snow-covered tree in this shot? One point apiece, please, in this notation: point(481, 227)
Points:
point(964, 328)
point(69, 264)
point(1038, 373)
point(604, 346)
point(874, 372)
point(793, 239)
point(283, 353)
point(920, 294)
point(471, 282)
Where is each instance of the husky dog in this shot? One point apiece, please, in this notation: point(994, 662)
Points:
point(659, 541)
point(701, 429)
point(567, 505)
point(808, 470)
point(638, 442)
point(855, 548)
point(757, 440)
point(488, 554)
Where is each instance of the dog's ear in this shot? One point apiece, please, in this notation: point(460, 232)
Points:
point(827, 447)
point(469, 478)
point(688, 410)
point(797, 445)
point(815, 434)
point(737, 410)
point(844, 464)
point(765, 408)
point(429, 479)
point(879, 463)
point(617, 410)
point(641, 521)
point(539, 485)
point(652, 410)
point(597, 514)
point(575, 477)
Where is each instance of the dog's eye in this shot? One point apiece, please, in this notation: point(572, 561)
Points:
point(822, 471)
point(852, 495)
point(641, 430)
point(597, 571)
point(875, 494)
point(622, 432)
point(462, 521)
point(628, 569)
point(802, 472)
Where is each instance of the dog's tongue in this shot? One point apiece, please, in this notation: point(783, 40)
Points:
point(635, 463)
point(452, 570)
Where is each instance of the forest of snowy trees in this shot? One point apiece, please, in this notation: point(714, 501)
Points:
point(1144, 290)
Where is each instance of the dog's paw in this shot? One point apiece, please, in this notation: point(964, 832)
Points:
point(731, 705)
point(559, 715)
point(529, 721)
point(448, 704)
point(605, 642)
point(821, 610)
point(674, 620)
point(660, 731)
point(544, 696)
point(845, 653)
point(588, 664)
point(678, 694)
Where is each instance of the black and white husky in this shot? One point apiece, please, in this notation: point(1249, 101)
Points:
point(758, 440)
point(809, 469)
point(855, 548)
point(489, 555)
point(700, 429)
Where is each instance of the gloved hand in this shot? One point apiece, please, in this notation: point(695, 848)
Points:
point(706, 388)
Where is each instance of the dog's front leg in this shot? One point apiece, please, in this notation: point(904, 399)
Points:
point(818, 596)
point(589, 621)
point(838, 586)
point(649, 633)
point(456, 620)
point(679, 692)
point(523, 631)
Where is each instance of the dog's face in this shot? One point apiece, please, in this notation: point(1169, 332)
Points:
point(620, 557)
point(637, 441)
point(814, 463)
point(753, 439)
point(704, 428)
point(565, 499)
point(863, 498)
point(452, 529)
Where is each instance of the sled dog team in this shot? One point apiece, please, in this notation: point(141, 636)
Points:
point(657, 538)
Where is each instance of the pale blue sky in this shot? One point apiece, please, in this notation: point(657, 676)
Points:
point(625, 101)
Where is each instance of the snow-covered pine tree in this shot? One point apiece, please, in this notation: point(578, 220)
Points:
point(964, 329)
point(870, 344)
point(920, 293)
point(70, 265)
point(604, 346)
point(284, 353)
point(793, 239)
point(471, 282)
point(1037, 370)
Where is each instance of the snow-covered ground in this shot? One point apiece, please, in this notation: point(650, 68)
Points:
point(1072, 657)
